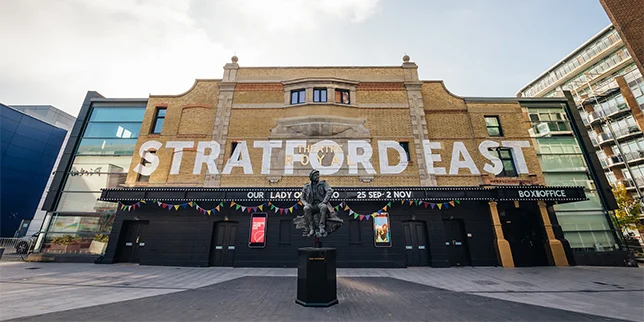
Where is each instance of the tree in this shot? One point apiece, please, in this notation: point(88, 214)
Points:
point(629, 210)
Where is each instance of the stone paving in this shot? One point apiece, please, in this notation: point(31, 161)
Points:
point(76, 292)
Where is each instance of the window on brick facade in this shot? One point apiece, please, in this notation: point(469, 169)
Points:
point(405, 146)
point(342, 96)
point(233, 146)
point(298, 96)
point(319, 95)
point(158, 120)
point(505, 155)
point(493, 126)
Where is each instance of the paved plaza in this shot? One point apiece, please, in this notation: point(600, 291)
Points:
point(89, 292)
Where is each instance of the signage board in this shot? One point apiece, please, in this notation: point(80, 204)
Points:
point(257, 237)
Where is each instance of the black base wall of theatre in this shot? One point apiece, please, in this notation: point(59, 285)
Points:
point(316, 277)
point(612, 258)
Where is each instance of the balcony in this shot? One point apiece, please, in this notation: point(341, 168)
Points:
point(614, 160)
point(616, 110)
point(604, 138)
point(594, 116)
point(629, 184)
point(626, 133)
point(634, 156)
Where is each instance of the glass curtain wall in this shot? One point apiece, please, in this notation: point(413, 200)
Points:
point(81, 224)
point(584, 224)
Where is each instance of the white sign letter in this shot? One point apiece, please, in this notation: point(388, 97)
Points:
point(326, 146)
point(517, 153)
point(456, 163)
point(496, 167)
point(364, 159)
point(178, 147)
point(290, 157)
point(147, 156)
point(267, 146)
point(209, 159)
point(431, 158)
point(239, 158)
point(385, 168)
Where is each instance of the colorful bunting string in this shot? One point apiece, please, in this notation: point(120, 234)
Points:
point(288, 210)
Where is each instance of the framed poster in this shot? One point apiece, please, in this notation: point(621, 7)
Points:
point(381, 231)
point(257, 237)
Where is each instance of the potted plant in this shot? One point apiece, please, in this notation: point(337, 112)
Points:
point(63, 244)
point(99, 243)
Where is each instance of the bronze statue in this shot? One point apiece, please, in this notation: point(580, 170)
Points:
point(319, 217)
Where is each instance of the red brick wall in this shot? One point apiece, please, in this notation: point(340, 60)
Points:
point(628, 18)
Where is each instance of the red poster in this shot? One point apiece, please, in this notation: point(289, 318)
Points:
point(258, 230)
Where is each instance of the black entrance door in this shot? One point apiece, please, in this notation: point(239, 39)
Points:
point(416, 243)
point(131, 241)
point(523, 230)
point(456, 243)
point(222, 248)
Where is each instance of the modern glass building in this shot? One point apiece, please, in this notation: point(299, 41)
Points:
point(608, 91)
point(98, 156)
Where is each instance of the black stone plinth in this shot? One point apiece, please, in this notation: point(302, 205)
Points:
point(316, 280)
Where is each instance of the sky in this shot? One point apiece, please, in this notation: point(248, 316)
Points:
point(55, 51)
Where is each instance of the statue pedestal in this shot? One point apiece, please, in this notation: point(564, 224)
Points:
point(316, 277)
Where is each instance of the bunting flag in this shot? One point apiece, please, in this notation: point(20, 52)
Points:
point(286, 210)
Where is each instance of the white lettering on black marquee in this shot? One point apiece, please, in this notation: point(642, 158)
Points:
point(542, 193)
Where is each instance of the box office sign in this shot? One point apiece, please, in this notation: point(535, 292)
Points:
point(329, 157)
point(555, 193)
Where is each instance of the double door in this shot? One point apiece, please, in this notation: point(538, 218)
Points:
point(222, 248)
point(416, 245)
point(132, 241)
point(456, 243)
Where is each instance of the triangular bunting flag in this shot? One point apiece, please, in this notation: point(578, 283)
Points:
point(281, 211)
point(299, 203)
point(361, 217)
point(337, 207)
point(432, 205)
point(254, 209)
point(190, 203)
point(221, 204)
point(163, 205)
point(368, 216)
point(250, 210)
point(425, 204)
point(416, 202)
point(295, 206)
point(143, 201)
point(380, 211)
point(243, 208)
point(346, 207)
point(237, 207)
point(439, 205)
point(355, 216)
point(208, 211)
point(445, 204)
point(261, 207)
point(232, 203)
point(269, 203)
point(217, 208)
point(402, 202)
point(275, 209)
point(290, 209)
point(184, 206)
point(176, 207)
point(133, 206)
point(411, 202)
point(159, 203)
point(389, 204)
point(458, 201)
point(452, 203)
point(129, 208)
point(384, 208)
point(351, 212)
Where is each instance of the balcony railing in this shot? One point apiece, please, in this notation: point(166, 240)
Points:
point(604, 137)
point(594, 116)
point(634, 156)
point(614, 160)
point(624, 132)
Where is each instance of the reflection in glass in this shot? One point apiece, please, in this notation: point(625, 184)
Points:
point(106, 147)
point(117, 114)
point(112, 130)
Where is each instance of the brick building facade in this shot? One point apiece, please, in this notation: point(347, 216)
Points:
point(628, 18)
point(456, 180)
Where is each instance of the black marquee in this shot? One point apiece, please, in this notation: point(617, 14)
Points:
point(559, 194)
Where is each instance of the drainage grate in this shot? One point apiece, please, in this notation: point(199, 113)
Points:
point(521, 283)
point(485, 282)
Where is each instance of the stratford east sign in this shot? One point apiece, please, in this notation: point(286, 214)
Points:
point(355, 155)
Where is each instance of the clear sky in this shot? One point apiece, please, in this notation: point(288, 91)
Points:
point(55, 51)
